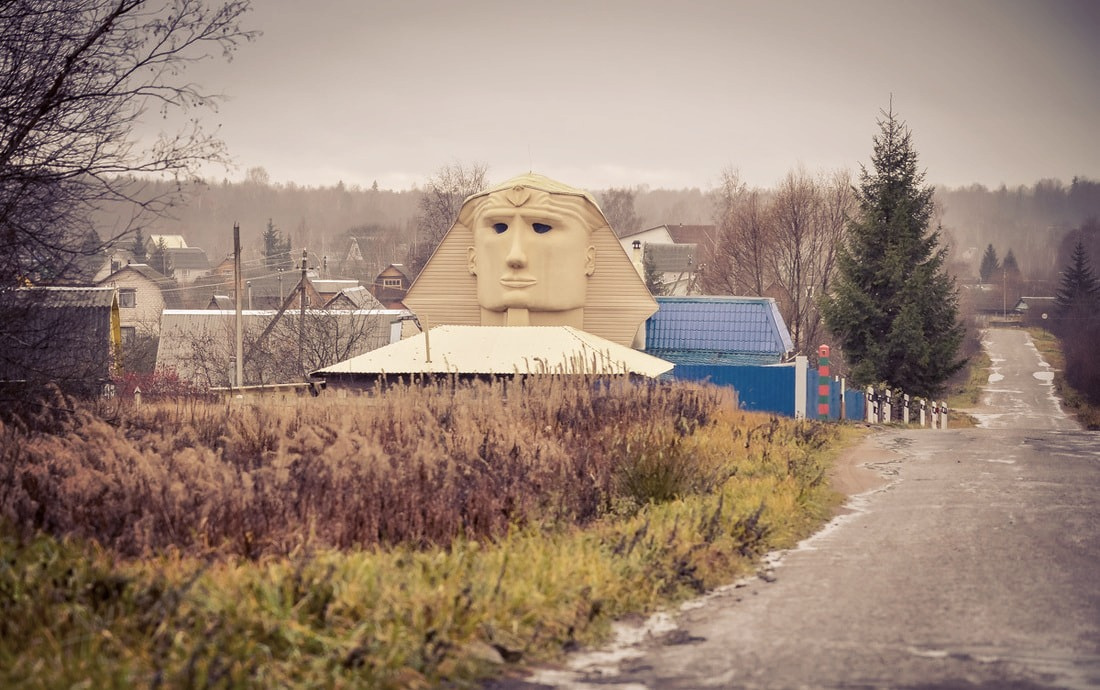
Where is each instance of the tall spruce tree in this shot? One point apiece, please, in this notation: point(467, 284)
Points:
point(990, 264)
point(893, 309)
point(1078, 296)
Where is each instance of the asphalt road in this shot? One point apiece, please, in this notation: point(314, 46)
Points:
point(974, 564)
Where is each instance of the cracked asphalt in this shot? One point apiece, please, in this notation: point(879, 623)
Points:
point(974, 564)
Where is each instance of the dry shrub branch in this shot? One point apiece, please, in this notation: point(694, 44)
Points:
point(408, 465)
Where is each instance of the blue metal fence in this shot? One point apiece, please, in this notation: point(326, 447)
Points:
point(759, 388)
point(771, 388)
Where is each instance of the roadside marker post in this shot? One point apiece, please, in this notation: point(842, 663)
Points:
point(823, 382)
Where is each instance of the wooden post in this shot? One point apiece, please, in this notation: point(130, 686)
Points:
point(302, 316)
point(239, 368)
point(905, 409)
point(870, 406)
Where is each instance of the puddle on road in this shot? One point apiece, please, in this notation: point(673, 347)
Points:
point(1044, 375)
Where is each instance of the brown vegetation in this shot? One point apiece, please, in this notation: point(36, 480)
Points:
point(410, 465)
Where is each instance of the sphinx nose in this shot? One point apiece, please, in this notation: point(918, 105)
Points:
point(517, 256)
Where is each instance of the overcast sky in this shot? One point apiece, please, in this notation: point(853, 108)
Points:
point(637, 92)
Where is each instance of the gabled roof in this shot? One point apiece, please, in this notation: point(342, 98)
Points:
point(331, 286)
point(354, 298)
point(188, 258)
point(717, 330)
point(502, 351)
point(1026, 303)
point(170, 241)
point(656, 228)
point(399, 268)
point(222, 302)
point(167, 285)
point(672, 258)
point(54, 297)
point(692, 234)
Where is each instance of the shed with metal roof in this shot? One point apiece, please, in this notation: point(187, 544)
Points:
point(718, 331)
point(64, 335)
point(496, 351)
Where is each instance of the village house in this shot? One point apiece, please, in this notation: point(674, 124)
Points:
point(391, 285)
point(143, 294)
point(187, 264)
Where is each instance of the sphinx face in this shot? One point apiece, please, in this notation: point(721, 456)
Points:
point(535, 255)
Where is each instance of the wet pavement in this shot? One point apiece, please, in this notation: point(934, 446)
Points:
point(976, 564)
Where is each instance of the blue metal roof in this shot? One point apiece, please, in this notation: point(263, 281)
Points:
point(719, 330)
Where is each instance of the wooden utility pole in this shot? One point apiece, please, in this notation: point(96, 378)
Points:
point(302, 316)
point(239, 372)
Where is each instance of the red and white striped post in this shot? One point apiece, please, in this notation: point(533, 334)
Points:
point(823, 382)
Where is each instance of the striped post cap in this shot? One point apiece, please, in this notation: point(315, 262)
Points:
point(823, 382)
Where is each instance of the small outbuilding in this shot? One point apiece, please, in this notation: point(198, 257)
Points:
point(493, 351)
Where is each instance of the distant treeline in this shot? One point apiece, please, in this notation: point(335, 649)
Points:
point(1031, 221)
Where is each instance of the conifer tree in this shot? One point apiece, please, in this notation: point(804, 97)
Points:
point(1078, 297)
point(990, 264)
point(138, 247)
point(893, 309)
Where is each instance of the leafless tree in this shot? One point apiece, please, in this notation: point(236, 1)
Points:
point(780, 244)
point(438, 208)
point(77, 79)
point(795, 208)
point(201, 354)
point(741, 261)
point(810, 215)
point(617, 205)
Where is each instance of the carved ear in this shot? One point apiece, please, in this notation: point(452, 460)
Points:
point(590, 261)
point(471, 260)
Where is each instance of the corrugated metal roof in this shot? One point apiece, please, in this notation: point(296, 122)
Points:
point(51, 296)
point(671, 258)
point(717, 329)
point(188, 258)
point(332, 286)
point(503, 350)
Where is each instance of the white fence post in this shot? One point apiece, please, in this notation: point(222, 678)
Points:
point(888, 408)
point(943, 416)
point(905, 409)
point(923, 411)
point(801, 370)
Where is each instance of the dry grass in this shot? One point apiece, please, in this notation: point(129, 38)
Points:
point(1073, 401)
point(405, 539)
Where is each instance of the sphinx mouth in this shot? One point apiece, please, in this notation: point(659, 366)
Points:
point(517, 282)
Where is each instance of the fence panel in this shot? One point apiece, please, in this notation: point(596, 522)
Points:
point(759, 388)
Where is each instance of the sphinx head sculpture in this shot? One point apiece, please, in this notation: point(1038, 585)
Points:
point(532, 251)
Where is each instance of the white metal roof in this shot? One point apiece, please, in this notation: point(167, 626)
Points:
point(502, 350)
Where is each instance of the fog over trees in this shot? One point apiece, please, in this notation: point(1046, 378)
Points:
point(1033, 222)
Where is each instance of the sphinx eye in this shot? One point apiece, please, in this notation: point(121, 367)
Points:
point(540, 228)
point(500, 227)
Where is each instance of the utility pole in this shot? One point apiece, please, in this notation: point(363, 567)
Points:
point(239, 371)
point(302, 316)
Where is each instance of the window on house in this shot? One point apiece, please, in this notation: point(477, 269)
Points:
point(127, 297)
point(391, 282)
point(128, 333)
